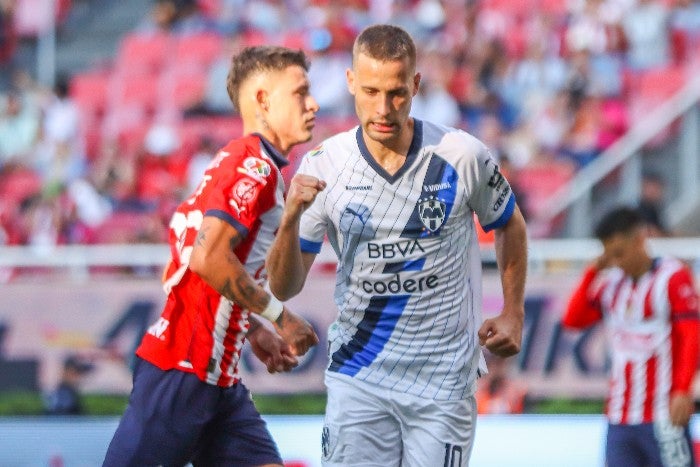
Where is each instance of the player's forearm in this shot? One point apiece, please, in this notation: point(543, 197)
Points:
point(285, 265)
point(214, 260)
point(511, 255)
point(228, 277)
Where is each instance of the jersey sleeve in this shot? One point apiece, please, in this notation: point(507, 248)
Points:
point(583, 309)
point(490, 194)
point(313, 223)
point(685, 329)
point(242, 189)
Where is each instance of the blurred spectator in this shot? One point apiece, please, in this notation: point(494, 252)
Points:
point(216, 100)
point(594, 26)
point(580, 144)
point(550, 125)
point(88, 208)
point(433, 101)
point(535, 79)
point(685, 29)
point(651, 204)
point(19, 130)
point(190, 19)
point(267, 16)
point(162, 17)
point(65, 399)
point(647, 32)
point(61, 153)
point(327, 74)
point(535, 83)
point(161, 167)
point(491, 133)
point(8, 42)
point(42, 222)
point(199, 163)
point(497, 392)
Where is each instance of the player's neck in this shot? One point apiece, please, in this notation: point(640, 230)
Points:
point(391, 155)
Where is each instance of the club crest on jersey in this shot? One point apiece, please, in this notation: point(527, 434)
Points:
point(255, 168)
point(431, 212)
point(244, 191)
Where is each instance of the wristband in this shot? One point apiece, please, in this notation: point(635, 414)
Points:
point(274, 308)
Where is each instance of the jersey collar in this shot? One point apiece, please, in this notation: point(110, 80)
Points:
point(416, 144)
point(271, 151)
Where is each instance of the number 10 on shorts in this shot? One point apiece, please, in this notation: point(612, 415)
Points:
point(453, 455)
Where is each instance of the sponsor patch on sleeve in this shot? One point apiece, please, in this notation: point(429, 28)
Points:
point(255, 168)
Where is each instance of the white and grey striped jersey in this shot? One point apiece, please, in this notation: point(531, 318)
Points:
point(408, 284)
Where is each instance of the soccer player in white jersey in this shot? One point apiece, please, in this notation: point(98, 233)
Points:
point(650, 310)
point(396, 197)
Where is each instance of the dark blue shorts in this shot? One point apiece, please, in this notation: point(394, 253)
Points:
point(648, 445)
point(174, 418)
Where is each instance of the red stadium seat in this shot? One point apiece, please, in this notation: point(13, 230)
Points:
point(19, 184)
point(183, 87)
point(224, 129)
point(135, 88)
point(90, 90)
point(122, 227)
point(661, 84)
point(143, 52)
point(199, 49)
point(651, 88)
point(540, 181)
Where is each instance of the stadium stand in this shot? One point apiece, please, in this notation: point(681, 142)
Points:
point(556, 75)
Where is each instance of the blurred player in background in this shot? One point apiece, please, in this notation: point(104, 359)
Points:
point(188, 403)
point(66, 398)
point(650, 310)
point(396, 197)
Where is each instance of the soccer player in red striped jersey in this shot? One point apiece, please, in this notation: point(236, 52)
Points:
point(650, 310)
point(188, 403)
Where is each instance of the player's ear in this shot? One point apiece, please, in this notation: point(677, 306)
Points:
point(416, 83)
point(262, 98)
point(350, 78)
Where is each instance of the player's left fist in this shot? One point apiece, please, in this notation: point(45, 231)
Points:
point(302, 191)
point(272, 350)
point(502, 335)
point(296, 332)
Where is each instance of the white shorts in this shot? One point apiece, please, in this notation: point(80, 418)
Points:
point(370, 426)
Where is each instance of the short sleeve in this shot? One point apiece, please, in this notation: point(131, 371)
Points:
point(243, 189)
point(490, 194)
point(682, 295)
point(313, 224)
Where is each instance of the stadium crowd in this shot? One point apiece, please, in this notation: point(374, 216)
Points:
point(107, 153)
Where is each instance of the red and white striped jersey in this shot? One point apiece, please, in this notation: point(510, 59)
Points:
point(199, 330)
point(653, 332)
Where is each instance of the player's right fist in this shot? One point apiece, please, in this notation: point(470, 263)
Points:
point(296, 332)
point(302, 192)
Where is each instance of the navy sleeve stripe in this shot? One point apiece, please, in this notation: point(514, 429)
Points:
point(685, 316)
point(309, 246)
point(505, 217)
point(229, 219)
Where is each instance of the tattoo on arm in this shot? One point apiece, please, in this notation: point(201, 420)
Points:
point(234, 241)
point(253, 324)
point(249, 293)
point(227, 290)
point(201, 236)
point(244, 291)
